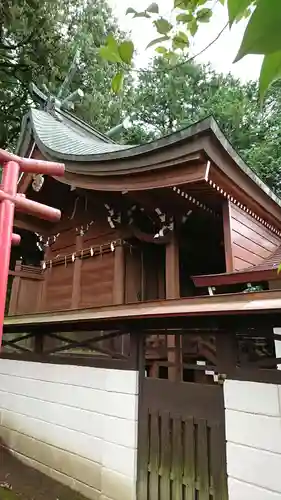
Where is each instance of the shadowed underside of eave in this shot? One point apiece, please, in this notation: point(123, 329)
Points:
point(88, 153)
point(265, 271)
point(200, 153)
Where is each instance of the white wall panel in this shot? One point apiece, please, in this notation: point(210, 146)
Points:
point(253, 434)
point(76, 424)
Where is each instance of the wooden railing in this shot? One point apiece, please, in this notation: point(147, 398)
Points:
point(26, 289)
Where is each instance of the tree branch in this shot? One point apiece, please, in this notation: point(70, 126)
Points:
point(185, 61)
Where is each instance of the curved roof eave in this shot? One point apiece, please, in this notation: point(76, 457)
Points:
point(109, 153)
point(24, 137)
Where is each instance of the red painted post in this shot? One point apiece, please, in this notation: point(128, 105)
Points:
point(32, 166)
point(16, 239)
point(10, 176)
point(31, 207)
point(9, 200)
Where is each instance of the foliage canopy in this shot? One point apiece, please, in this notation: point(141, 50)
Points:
point(38, 41)
point(262, 34)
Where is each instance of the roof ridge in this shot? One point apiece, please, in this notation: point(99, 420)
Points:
point(43, 99)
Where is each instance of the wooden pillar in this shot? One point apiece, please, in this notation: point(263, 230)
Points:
point(174, 349)
point(42, 302)
point(226, 349)
point(39, 343)
point(226, 214)
point(172, 269)
point(76, 280)
point(15, 291)
point(173, 292)
point(119, 276)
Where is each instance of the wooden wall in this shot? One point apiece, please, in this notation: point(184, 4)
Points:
point(27, 296)
point(97, 277)
point(144, 273)
point(94, 276)
point(26, 290)
point(58, 288)
point(91, 281)
point(251, 242)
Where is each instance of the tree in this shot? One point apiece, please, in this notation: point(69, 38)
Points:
point(262, 34)
point(165, 101)
point(38, 40)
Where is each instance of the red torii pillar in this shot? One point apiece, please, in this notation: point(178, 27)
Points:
point(9, 201)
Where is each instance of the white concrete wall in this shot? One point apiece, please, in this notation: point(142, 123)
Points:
point(76, 424)
point(253, 433)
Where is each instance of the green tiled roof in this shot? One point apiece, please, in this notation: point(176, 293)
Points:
point(65, 137)
point(85, 151)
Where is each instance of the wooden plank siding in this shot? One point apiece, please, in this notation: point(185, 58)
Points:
point(85, 282)
point(97, 276)
point(252, 242)
point(182, 442)
point(28, 296)
point(59, 288)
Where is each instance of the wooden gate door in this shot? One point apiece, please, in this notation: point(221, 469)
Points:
point(181, 441)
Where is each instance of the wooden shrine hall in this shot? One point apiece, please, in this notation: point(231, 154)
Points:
point(165, 264)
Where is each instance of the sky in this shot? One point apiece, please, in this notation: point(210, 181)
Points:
point(220, 55)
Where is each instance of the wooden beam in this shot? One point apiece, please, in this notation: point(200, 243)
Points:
point(226, 350)
point(226, 214)
point(76, 282)
point(174, 349)
point(172, 269)
point(236, 277)
point(22, 274)
point(47, 273)
point(15, 290)
point(31, 224)
point(119, 276)
point(242, 188)
point(173, 292)
point(39, 343)
point(188, 311)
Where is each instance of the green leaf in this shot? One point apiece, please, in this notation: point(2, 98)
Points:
point(204, 15)
point(193, 27)
point(126, 50)
point(153, 8)
point(270, 71)
point(185, 18)
point(117, 82)
point(236, 8)
point(180, 41)
point(109, 55)
point(137, 14)
point(279, 269)
point(161, 50)
point(158, 40)
point(142, 14)
point(110, 51)
point(163, 26)
point(111, 43)
point(171, 57)
point(130, 11)
point(262, 35)
point(181, 4)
